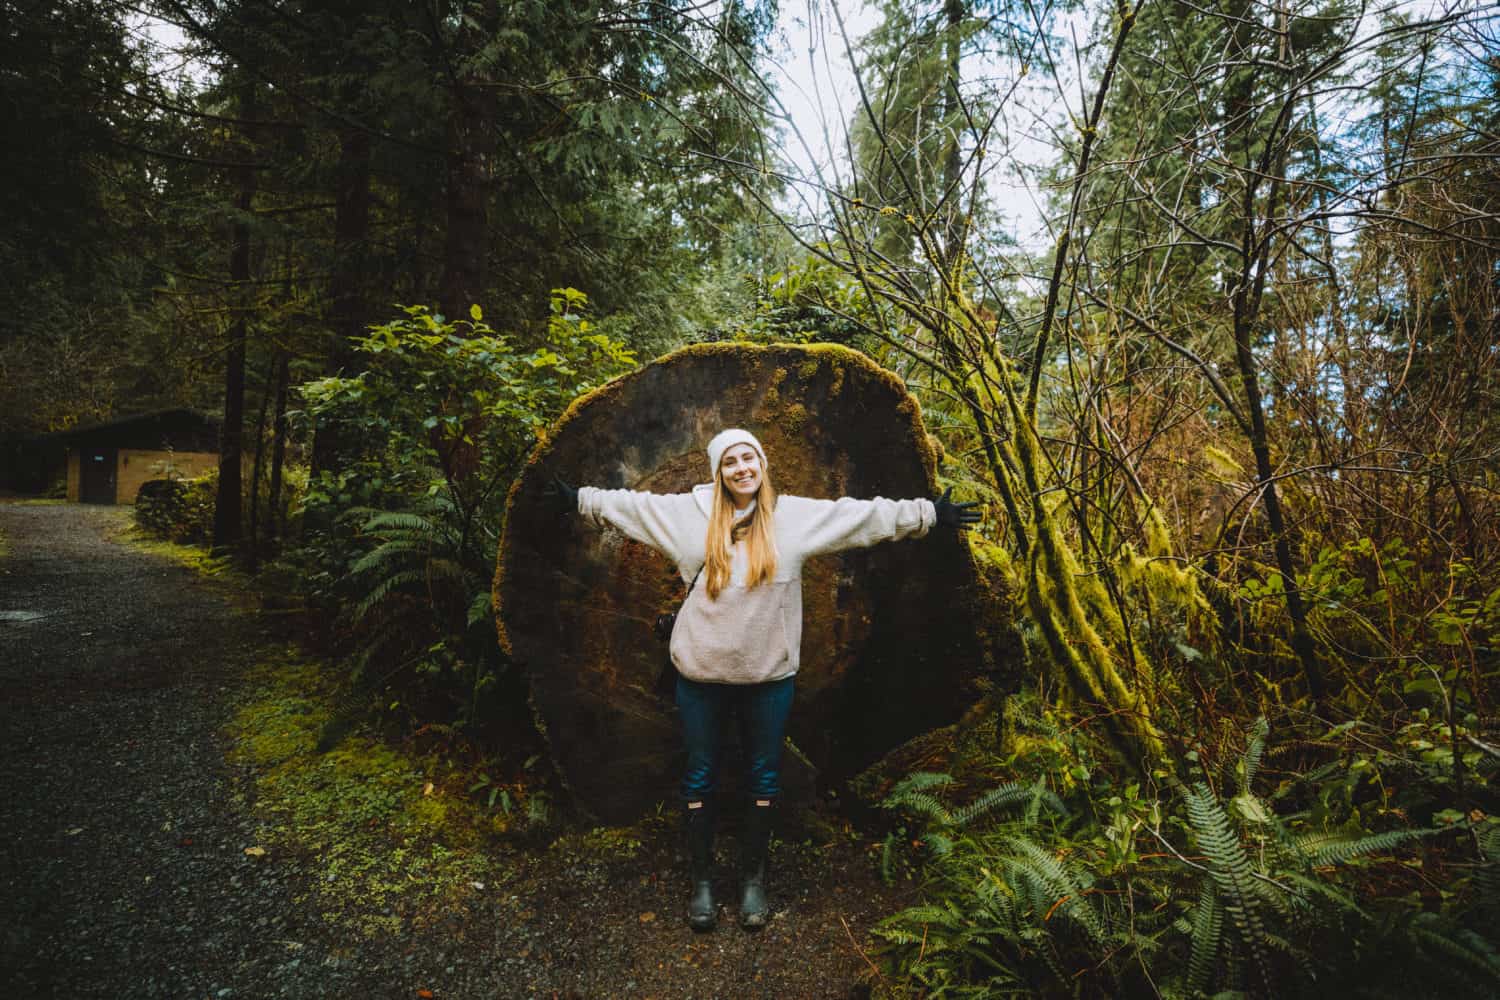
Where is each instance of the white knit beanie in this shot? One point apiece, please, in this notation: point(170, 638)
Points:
point(723, 441)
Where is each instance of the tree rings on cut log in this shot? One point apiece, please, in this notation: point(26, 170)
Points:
point(888, 632)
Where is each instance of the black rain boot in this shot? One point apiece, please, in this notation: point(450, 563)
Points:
point(703, 915)
point(755, 844)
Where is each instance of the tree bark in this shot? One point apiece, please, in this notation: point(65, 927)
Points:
point(347, 312)
point(889, 633)
point(278, 452)
point(259, 466)
point(1248, 286)
point(954, 12)
point(227, 505)
point(466, 245)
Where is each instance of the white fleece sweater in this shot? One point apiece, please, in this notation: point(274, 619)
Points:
point(748, 635)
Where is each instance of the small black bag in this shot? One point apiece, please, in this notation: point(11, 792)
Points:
point(664, 624)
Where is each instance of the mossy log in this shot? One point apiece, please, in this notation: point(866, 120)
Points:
point(889, 636)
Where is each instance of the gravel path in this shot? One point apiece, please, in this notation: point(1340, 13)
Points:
point(125, 873)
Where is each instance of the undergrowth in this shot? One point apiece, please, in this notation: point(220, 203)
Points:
point(1343, 869)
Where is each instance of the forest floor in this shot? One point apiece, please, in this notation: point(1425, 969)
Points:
point(142, 861)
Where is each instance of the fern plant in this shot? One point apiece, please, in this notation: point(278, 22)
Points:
point(1236, 900)
point(419, 604)
point(914, 795)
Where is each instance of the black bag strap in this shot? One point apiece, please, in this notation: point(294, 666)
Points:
point(666, 680)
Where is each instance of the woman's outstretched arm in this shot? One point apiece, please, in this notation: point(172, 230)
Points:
point(823, 526)
point(667, 522)
point(834, 525)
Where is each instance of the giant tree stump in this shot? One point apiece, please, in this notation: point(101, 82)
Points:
point(888, 632)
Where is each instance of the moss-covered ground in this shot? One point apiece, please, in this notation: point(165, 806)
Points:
point(385, 824)
point(194, 557)
point(395, 826)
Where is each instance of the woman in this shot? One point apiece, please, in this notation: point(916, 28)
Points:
point(737, 640)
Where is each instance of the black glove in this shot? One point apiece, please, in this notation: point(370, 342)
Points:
point(564, 498)
point(959, 516)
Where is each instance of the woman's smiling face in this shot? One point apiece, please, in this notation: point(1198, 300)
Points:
point(741, 471)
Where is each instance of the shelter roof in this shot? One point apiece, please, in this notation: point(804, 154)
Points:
point(182, 421)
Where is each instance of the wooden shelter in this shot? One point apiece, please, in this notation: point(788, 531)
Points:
point(107, 463)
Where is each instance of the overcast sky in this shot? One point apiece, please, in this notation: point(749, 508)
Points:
point(817, 85)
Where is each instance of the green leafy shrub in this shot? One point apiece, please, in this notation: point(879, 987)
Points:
point(1372, 608)
point(1209, 888)
point(180, 510)
point(444, 413)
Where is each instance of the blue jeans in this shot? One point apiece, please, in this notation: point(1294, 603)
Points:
point(763, 710)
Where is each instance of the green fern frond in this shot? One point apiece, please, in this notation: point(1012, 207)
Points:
point(899, 935)
point(445, 569)
point(1055, 889)
point(910, 794)
point(1324, 849)
point(936, 928)
point(920, 781)
point(1008, 794)
point(1462, 953)
point(1489, 842)
point(481, 608)
point(1231, 871)
point(1313, 890)
point(1298, 955)
point(919, 804)
point(434, 539)
point(942, 916)
point(996, 898)
point(1487, 874)
point(1254, 750)
point(387, 552)
point(400, 520)
point(385, 588)
point(941, 845)
point(1207, 935)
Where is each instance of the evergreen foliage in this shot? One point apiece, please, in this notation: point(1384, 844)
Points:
point(1229, 895)
point(445, 414)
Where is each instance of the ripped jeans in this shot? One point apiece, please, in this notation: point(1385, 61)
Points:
point(762, 710)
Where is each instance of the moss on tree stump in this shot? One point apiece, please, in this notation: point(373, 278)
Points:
point(889, 633)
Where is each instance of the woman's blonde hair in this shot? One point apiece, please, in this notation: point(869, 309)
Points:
point(757, 528)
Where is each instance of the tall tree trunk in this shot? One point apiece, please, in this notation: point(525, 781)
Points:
point(953, 224)
point(278, 453)
point(227, 505)
point(347, 312)
point(259, 466)
point(1245, 296)
point(1286, 565)
point(465, 250)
